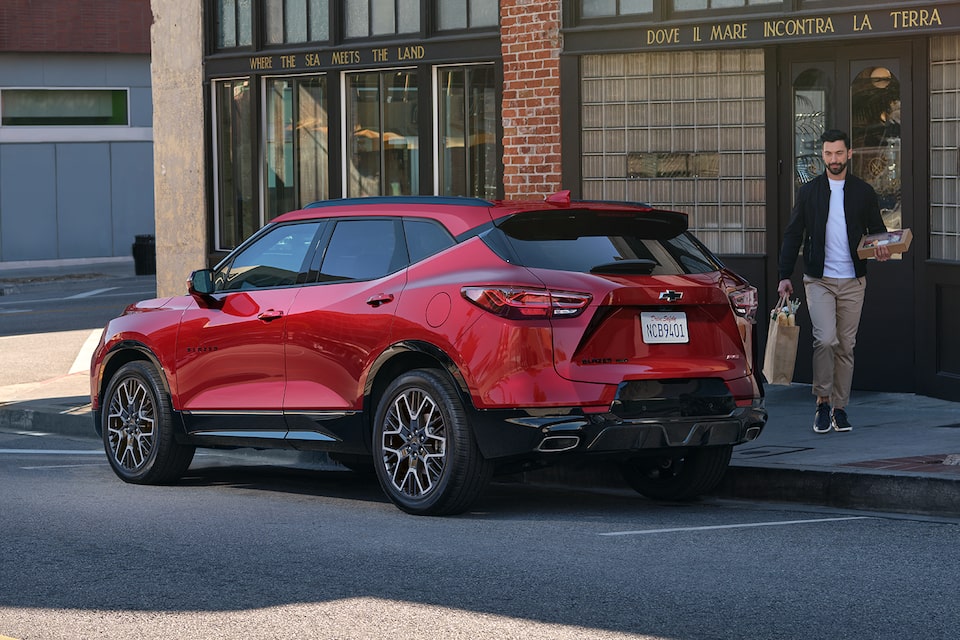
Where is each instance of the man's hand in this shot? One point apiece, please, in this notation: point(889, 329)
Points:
point(785, 288)
point(881, 252)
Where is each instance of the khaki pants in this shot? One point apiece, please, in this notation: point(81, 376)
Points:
point(834, 305)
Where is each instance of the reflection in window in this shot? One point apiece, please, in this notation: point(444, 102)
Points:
point(273, 260)
point(875, 137)
point(363, 250)
point(467, 128)
point(467, 14)
point(237, 214)
point(699, 5)
point(46, 107)
point(234, 23)
point(380, 17)
point(295, 143)
point(297, 20)
point(382, 134)
point(812, 101)
point(604, 8)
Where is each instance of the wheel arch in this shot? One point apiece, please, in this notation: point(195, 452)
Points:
point(400, 358)
point(119, 355)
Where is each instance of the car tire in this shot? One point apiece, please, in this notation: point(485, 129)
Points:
point(138, 427)
point(425, 455)
point(678, 478)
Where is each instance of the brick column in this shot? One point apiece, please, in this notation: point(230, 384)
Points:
point(530, 43)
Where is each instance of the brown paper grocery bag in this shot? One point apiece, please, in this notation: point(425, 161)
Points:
point(780, 355)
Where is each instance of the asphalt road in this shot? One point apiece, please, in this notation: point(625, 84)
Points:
point(240, 549)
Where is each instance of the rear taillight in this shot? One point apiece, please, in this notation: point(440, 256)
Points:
point(527, 304)
point(744, 302)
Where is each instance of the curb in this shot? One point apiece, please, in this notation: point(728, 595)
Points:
point(928, 495)
point(61, 423)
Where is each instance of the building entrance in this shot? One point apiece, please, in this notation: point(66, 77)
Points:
point(867, 92)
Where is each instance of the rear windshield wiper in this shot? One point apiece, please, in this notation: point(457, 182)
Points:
point(641, 266)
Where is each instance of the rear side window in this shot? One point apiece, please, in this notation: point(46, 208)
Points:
point(585, 241)
point(425, 238)
point(363, 250)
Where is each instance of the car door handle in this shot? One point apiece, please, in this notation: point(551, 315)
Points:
point(269, 315)
point(379, 299)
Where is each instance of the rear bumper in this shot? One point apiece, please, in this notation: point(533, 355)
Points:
point(516, 434)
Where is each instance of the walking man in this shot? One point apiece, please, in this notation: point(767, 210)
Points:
point(833, 211)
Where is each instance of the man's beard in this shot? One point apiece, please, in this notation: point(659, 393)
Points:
point(840, 166)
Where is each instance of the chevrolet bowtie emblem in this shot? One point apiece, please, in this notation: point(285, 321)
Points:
point(670, 295)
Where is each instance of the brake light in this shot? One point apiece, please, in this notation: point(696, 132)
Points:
point(744, 302)
point(527, 304)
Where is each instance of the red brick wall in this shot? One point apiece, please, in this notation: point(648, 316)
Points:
point(88, 26)
point(530, 44)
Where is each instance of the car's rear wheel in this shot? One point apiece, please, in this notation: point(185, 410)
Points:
point(425, 455)
point(138, 428)
point(684, 477)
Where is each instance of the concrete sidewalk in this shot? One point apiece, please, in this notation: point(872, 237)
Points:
point(902, 456)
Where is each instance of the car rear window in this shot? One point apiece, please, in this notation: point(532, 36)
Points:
point(653, 242)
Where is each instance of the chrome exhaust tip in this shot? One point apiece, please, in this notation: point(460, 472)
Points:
point(555, 444)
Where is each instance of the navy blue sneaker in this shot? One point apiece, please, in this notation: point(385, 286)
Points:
point(840, 422)
point(822, 421)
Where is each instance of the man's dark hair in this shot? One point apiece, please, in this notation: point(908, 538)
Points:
point(832, 135)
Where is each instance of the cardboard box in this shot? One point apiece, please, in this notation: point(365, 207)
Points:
point(898, 241)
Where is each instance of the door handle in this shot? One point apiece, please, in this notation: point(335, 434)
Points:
point(379, 299)
point(269, 315)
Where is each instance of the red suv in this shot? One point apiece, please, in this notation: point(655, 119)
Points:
point(440, 340)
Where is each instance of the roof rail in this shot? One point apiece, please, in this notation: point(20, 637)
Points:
point(456, 200)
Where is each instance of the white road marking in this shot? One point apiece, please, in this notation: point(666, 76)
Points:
point(82, 361)
point(59, 466)
point(87, 294)
point(734, 526)
point(53, 452)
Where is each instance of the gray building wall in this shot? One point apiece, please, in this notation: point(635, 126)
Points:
point(76, 192)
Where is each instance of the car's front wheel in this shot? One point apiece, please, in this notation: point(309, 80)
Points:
point(425, 455)
point(683, 477)
point(138, 427)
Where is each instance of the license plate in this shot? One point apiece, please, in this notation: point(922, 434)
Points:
point(664, 327)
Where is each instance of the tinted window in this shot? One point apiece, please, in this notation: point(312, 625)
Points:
point(363, 250)
point(274, 259)
point(425, 238)
point(584, 240)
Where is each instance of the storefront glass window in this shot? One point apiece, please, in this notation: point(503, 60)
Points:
point(47, 107)
point(813, 101)
point(467, 131)
point(875, 136)
point(363, 18)
point(382, 141)
point(467, 14)
point(604, 8)
point(234, 23)
point(944, 138)
point(237, 216)
point(700, 5)
point(297, 20)
point(295, 143)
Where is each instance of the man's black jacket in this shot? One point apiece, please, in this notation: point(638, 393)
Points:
point(808, 224)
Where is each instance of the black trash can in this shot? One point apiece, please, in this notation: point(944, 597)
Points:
point(144, 255)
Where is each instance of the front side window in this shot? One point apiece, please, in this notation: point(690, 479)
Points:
point(467, 121)
point(295, 143)
point(382, 134)
point(275, 259)
point(364, 18)
point(237, 217)
point(65, 107)
point(297, 20)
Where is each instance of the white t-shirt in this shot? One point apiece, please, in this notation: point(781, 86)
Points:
point(837, 261)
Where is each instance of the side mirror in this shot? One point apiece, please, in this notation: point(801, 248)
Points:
point(200, 283)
